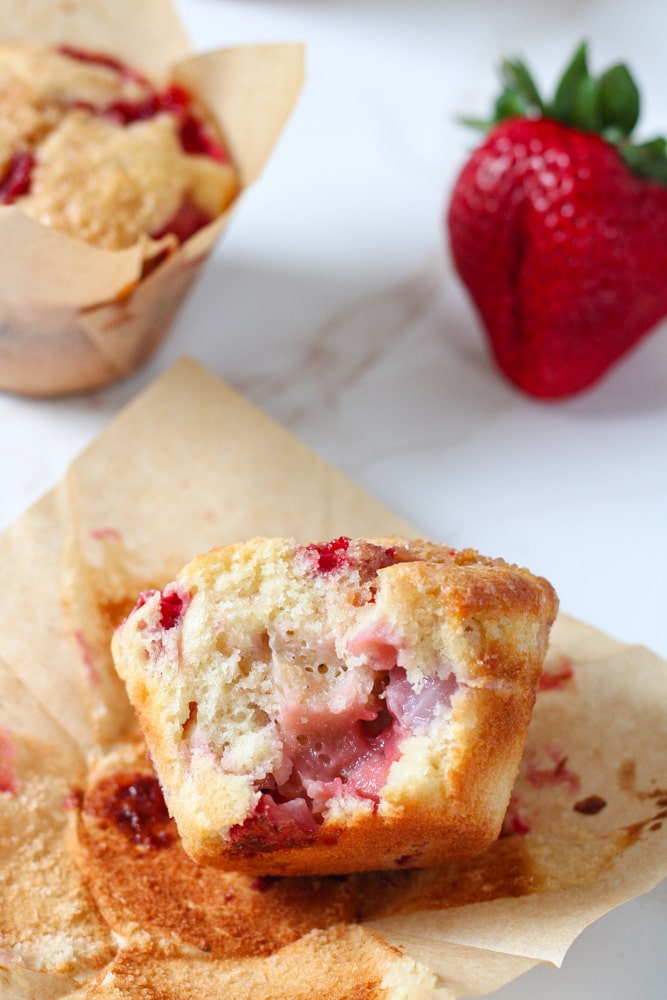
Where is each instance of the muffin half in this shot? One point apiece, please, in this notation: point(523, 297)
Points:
point(340, 706)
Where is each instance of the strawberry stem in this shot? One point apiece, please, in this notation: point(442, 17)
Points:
point(649, 159)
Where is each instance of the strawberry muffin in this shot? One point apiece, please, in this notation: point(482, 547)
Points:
point(335, 707)
point(91, 147)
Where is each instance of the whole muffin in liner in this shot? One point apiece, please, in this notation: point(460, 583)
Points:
point(83, 304)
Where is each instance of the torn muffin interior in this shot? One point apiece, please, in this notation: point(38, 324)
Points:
point(300, 684)
point(337, 757)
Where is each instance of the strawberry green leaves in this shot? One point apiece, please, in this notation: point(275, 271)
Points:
point(608, 104)
point(519, 98)
point(617, 99)
point(649, 159)
point(574, 95)
point(519, 89)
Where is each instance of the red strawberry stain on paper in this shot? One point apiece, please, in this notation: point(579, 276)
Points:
point(8, 753)
point(552, 772)
point(514, 822)
point(105, 534)
point(85, 655)
point(557, 677)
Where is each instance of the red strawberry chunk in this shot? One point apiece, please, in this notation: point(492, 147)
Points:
point(331, 555)
point(102, 59)
point(195, 136)
point(17, 177)
point(275, 824)
point(171, 609)
point(196, 139)
point(127, 112)
point(333, 755)
point(185, 222)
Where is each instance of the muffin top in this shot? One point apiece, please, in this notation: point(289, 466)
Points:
point(91, 147)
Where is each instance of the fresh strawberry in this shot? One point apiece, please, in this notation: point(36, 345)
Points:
point(558, 228)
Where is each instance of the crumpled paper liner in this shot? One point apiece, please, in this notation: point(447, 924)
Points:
point(74, 316)
point(190, 464)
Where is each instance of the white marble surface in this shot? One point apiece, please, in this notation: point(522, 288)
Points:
point(332, 303)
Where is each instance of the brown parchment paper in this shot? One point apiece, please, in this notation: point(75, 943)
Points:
point(190, 464)
point(72, 315)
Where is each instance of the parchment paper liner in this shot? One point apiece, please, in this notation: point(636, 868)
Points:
point(74, 316)
point(196, 464)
